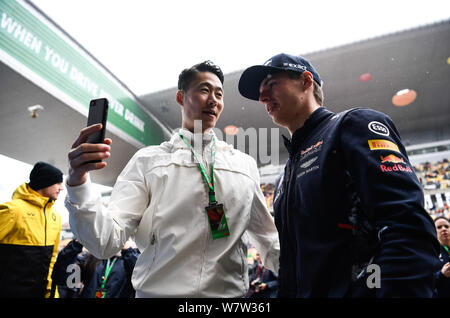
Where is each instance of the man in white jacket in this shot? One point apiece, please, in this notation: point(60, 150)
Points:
point(189, 207)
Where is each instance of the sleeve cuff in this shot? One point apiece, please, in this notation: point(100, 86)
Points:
point(81, 193)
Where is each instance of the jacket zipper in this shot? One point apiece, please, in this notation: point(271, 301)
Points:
point(206, 236)
point(45, 223)
point(203, 255)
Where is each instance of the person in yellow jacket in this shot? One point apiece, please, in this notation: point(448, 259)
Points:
point(29, 235)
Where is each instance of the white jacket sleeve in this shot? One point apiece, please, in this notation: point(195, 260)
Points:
point(263, 232)
point(104, 230)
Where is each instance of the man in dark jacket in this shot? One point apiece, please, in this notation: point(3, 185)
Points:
point(263, 282)
point(112, 277)
point(349, 208)
point(109, 278)
point(67, 272)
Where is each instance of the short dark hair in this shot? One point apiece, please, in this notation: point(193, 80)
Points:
point(189, 74)
point(441, 218)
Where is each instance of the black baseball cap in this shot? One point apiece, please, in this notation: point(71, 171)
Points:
point(252, 77)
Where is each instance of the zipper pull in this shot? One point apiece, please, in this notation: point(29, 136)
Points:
point(153, 240)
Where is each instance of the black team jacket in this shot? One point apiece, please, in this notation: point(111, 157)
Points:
point(349, 198)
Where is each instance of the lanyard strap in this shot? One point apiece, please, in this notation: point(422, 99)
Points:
point(209, 181)
point(109, 266)
point(446, 248)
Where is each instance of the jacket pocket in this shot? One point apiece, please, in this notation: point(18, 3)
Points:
point(244, 267)
point(145, 262)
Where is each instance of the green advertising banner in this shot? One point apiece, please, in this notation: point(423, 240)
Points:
point(36, 48)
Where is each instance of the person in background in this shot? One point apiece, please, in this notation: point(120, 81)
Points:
point(263, 282)
point(112, 276)
point(442, 276)
point(72, 254)
point(109, 278)
point(348, 198)
point(30, 231)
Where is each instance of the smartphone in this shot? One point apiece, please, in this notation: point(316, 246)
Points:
point(98, 113)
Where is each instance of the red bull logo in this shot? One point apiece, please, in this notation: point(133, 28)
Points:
point(395, 167)
point(394, 164)
point(391, 158)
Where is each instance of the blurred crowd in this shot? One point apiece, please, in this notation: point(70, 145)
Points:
point(434, 175)
point(268, 191)
point(435, 179)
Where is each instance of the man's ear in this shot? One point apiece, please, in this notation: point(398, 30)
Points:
point(179, 97)
point(307, 79)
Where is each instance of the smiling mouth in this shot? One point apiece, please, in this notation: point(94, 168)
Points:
point(209, 112)
point(271, 108)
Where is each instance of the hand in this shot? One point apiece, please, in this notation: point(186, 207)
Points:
point(262, 286)
point(129, 244)
point(446, 270)
point(83, 152)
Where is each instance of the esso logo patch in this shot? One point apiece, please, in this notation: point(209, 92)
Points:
point(378, 128)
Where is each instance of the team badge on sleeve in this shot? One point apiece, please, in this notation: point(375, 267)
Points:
point(392, 163)
point(391, 158)
point(382, 144)
point(378, 128)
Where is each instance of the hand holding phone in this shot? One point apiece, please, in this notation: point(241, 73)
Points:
point(90, 147)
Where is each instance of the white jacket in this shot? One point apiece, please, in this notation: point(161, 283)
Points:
point(160, 198)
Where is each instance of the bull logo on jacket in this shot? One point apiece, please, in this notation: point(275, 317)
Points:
point(395, 164)
point(311, 150)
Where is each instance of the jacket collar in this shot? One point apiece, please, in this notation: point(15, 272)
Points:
point(26, 193)
point(177, 142)
point(300, 134)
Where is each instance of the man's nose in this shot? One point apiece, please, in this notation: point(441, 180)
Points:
point(212, 100)
point(263, 95)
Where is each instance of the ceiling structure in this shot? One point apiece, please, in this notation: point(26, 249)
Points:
point(362, 74)
point(50, 136)
point(416, 59)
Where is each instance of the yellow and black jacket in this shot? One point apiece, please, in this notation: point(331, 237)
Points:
point(29, 237)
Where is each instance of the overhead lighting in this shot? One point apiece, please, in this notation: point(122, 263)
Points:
point(365, 77)
point(403, 91)
point(34, 110)
point(231, 130)
point(404, 97)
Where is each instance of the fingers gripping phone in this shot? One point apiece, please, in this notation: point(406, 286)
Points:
point(98, 113)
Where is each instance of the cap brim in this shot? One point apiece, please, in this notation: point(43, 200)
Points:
point(251, 79)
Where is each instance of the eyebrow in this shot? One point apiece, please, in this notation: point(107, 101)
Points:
point(266, 79)
point(210, 86)
point(264, 82)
